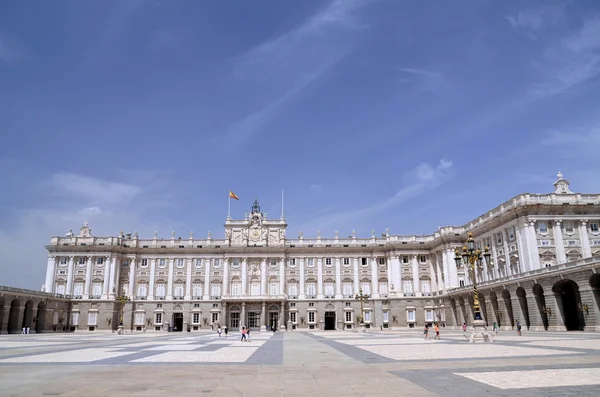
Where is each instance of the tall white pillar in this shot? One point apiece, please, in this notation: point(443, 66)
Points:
point(117, 280)
point(302, 294)
point(533, 246)
point(507, 267)
point(338, 279)
point(356, 283)
point(170, 279)
point(244, 279)
point(106, 283)
point(389, 274)
point(70, 272)
point(282, 278)
point(450, 267)
point(88, 278)
point(440, 269)
point(397, 274)
point(416, 276)
point(559, 242)
point(151, 281)
point(523, 247)
point(320, 278)
point(225, 286)
point(374, 278)
point(131, 288)
point(263, 276)
point(585, 239)
point(50, 274)
point(113, 271)
point(434, 284)
point(206, 279)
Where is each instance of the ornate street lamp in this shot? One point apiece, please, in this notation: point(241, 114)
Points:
point(361, 298)
point(471, 257)
point(121, 300)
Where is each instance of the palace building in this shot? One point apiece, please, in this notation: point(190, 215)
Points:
point(543, 271)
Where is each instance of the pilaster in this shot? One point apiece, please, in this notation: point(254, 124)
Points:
point(263, 276)
point(151, 281)
point(338, 279)
point(585, 239)
point(50, 274)
point(356, 282)
point(415, 275)
point(374, 279)
point(559, 242)
point(70, 272)
point(132, 268)
point(320, 278)
point(244, 278)
point(88, 278)
point(206, 291)
point(188, 278)
point(302, 294)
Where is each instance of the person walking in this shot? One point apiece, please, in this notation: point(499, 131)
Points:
point(495, 328)
point(243, 339)
point(436, 327)
point(248, 335)
point(226, 331)
point(219, 332)
point(464, 327)
point(518, 328)
point(426, 331)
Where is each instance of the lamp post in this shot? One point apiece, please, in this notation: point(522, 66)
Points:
point(471, 257)
point(121, 300)
point(361, 298)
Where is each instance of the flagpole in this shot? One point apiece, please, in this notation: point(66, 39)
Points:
point(281, 203)
point(229, 205)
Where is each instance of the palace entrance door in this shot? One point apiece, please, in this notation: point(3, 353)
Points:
point(177, 322)
point(254, 320)
point(329, 321)
point(273, 320)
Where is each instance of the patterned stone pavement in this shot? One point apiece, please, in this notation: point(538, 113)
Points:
point(297, 363)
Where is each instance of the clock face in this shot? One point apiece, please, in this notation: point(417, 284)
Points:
point(255, 234)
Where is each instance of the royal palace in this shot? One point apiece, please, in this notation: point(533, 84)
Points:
point(542, 270)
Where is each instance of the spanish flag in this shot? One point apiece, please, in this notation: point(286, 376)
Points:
point(233, 196)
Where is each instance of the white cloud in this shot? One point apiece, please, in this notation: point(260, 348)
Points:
point(283, 67)
point(422, 179)
point(427, 80)
point(571, 62)
point(535, 21)
point(92, 190)
point(90, 211)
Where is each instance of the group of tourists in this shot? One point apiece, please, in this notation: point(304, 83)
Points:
point(224, 330)
point(436, 328)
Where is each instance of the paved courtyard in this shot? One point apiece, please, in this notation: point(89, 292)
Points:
point(394, 363)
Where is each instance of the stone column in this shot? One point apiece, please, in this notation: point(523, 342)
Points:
point(113, 272)
point(356, 283)
point(244, 277)
point(320, 278)
point(338, 279)
point(223, 320)
point(415, 275)
point(243, 319)
point(523, 249)
point(451, 267)
point(225, 277)
point(50, 274)
point(390, 277)
point(151, 281)
point(434, 285)
point(263, 314)
point(88, 278)
point(282, 276)
point(397, 273)
point(585, 240)
point(535, 317)
point(533, 247)
point(263, 276)
point(118, 265)
point(206, 279)
point(188, 279)
point(132, 279)
point(555, 320)
point(559, 243)
point(507, 267)
point(440, 266)
point(374, 278)
point(494, 257)
point(302, 294)
point(170, 280)
point(282, 316)
point(489, 310)
point(70, 276)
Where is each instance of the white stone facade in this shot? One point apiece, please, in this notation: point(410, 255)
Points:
point(256, 276)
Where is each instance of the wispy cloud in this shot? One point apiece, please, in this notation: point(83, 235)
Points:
point(422, 179)
point(579, 144)
point(571, 62)
point(283, 67)
point(427, 80)
point(535, 21)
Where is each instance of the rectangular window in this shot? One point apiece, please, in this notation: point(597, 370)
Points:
point(404, 259)
point(346, 261)
point(328, 261)
point(198, 263)
point(293, 317)
point(425, 288)
point(139, 318)
point(142, 290)
point(92, 318)
point(197, 292)
point(236, 289)
point(407, 287)
point(568, 227)
point(293, 262)
point(160, 290)
point(162, 263)
point(144, 262)
point(311, 262)
point(196, 318)
point(386, 317)
point(542, 227)
point(428, 315)
point(422, 258)
point(60, 289)
point(311, 317)
point(366, 288)
point(215, 290)
point(75, 318)
point(511, 233)
point(461, 281)
point(215, 317)
point(381, 260)
point(499, 238)
point(293, 289)
point(254, 289)
point(368, 316)
point(383, 289)
point(180, 262)
point(82, 260)
point(63, 260)
point(99, 260)
point(274, 289)
point(311, 289)
point(178, 291)
point(594, 227)
point(158, 319)
point(311, 304)
point(78, 289)
point(410, 315)
point(348, 316)
point(363, 261)
point(347, 289)
point(97, 289)
point(329, 290)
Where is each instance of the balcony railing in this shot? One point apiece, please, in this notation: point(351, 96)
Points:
point(141, 298)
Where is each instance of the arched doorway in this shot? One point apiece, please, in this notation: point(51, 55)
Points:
point(28, 315)
point(522, 296)
point(177, 320)
point(595, 285)
point(540, 301)
point(509, 308)
point(234, 318)
point(567, 293)
point(273, 317)
point(329, 318)
point(40, 323)
point(13, 317)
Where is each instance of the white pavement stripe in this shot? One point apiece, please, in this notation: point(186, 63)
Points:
point(537, 378)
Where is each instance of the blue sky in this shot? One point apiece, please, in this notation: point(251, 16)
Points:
point(141, 115)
